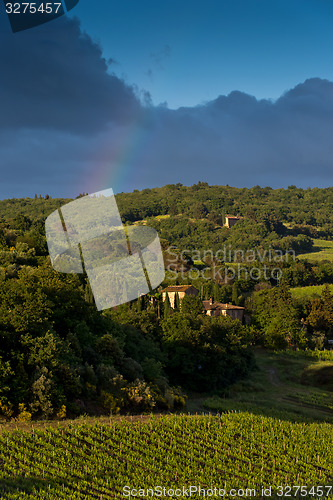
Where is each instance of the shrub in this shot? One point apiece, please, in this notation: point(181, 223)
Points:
point(110, 403)
point(23, 415)
point(138, 397)
point(61, 413)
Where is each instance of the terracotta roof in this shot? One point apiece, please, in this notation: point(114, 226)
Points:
point(208, 306)
point(231, 306)
point(177, 288)
point(218, 305)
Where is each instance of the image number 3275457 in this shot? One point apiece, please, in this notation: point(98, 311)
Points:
point(26, 15)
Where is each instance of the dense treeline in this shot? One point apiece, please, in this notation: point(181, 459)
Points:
point(59, 355)
point(57, 352)
point(310, 207)
point(247, 234)
point(32, 209)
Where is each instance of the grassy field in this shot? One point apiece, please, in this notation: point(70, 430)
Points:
point(322, 250)
point(308, 291)
point(296, 388)
point(161, 217)
point(274, 429)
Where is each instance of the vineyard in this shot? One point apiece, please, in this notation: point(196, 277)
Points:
point(233, 450)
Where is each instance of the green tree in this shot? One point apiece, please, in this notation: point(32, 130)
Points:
point(139, 304)
point(167, 306)
point(6, 374)
point(3, 243)
point(320, 318)
point(234, 296)
point(205, 353)
point(216, 292)
point(276, 315)
point(88, 294)
point(192, 305)
point(177, 302)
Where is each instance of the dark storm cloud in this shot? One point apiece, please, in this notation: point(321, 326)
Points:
point(65, 122)
point(53, 76)
point(43, 161)
point(242, 141)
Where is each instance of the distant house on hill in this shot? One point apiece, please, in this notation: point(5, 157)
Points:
point(231, 220)
point(182, 290)
point(218, 309)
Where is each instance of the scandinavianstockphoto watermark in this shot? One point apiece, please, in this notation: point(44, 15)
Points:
point(227, 264)
point(228, 255)
point(239, 272)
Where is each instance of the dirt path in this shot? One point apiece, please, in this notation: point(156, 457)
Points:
point(274, 379)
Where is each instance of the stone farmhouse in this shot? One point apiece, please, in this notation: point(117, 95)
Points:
point(212, 308)
point(182, 290)
point(231, 220)
point(218, 309)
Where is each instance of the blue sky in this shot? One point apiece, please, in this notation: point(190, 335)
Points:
point(133, 94)
point(187, 52)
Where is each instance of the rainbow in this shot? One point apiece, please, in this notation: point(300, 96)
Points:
point(117, 162)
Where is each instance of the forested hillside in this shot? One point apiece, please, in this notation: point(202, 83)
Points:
point(59, 356)
point(292, 205)
point(311, 207)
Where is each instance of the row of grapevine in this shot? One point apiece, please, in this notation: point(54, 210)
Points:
point(234, 450)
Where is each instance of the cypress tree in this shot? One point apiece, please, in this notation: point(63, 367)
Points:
point(177, 302)
point(167, 306)
point(88, 295)
point(234, 296)
point(216, 292)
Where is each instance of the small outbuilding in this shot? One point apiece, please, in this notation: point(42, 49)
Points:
point(231, 220)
